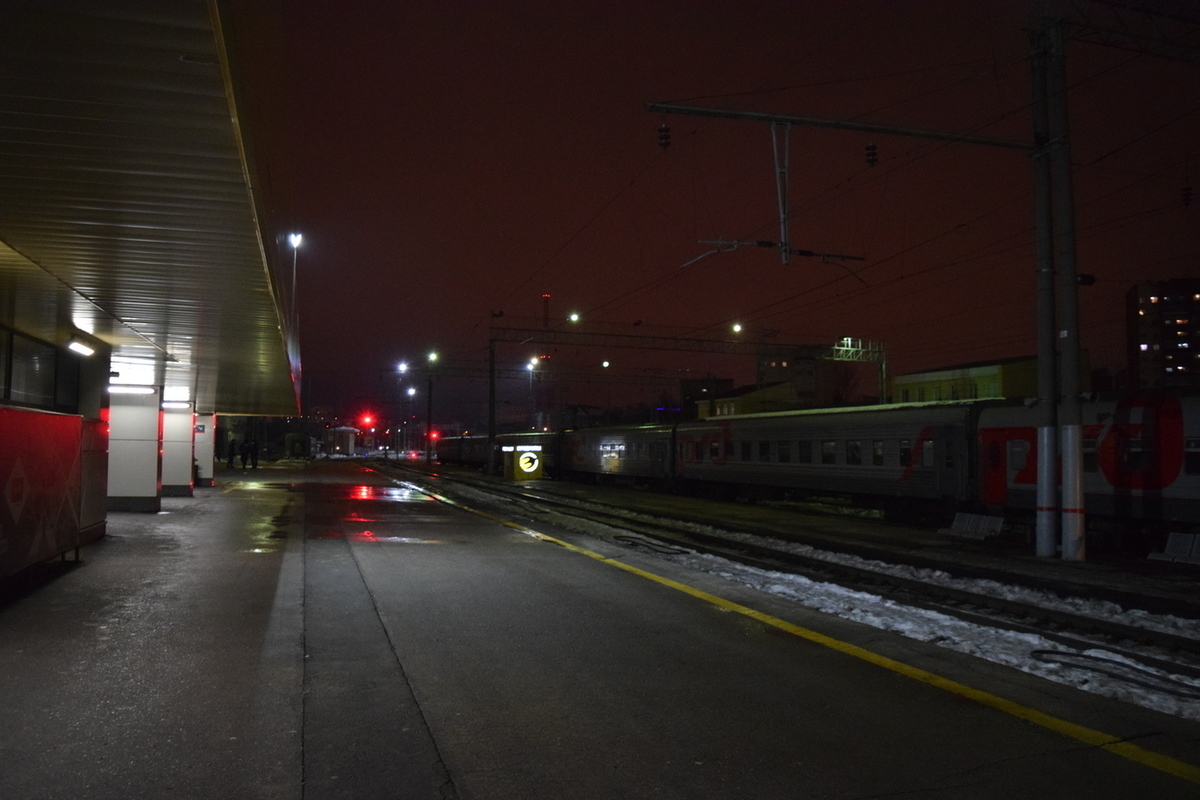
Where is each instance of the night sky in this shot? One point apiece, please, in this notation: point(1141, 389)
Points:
point(449, 161)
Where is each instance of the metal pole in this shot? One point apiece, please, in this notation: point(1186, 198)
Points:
point(781, 182)
point(884, 395)
point(1047, 374)
point(1071, 414)
point(294, 304)
point(491, 459)
point(429, 422)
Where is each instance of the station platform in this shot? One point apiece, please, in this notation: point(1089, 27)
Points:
point(323, 631)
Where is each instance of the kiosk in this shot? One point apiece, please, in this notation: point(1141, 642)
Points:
point(522, 462)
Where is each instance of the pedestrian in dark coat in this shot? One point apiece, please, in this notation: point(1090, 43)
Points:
point(231, 452)
point(245, 453)
point(254, 455)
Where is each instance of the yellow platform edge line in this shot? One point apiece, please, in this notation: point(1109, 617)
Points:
point(1112, 744)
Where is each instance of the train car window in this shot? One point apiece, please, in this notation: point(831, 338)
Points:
point(804, 451)
point(1191, 456)
point(764, 451)
point(1090, 462)
point(828, 452)
point(1018, 452)
point(5, 351)
point(949, 455)
point(853, 452)
point(714, 450)
point(927, 453)
point(1135, 456)
point(784, 449)
point(905, 453)
point(729, 449)
point(877, 453)
point(699, 451)
point(747, 451)
point(33, 367)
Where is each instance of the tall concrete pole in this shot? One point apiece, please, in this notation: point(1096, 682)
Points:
point(491, 458)
point(1047, 371)
point(1071, 412)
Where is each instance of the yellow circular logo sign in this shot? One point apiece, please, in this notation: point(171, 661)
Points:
point(528, 462)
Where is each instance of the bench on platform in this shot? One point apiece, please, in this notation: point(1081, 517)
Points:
point(974, 526)
point(1181, 548)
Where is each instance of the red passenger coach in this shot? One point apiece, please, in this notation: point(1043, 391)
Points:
point(1141, 459)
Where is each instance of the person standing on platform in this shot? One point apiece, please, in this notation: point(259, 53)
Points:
point(254, 454)
point(231, 453)
point(245, 453)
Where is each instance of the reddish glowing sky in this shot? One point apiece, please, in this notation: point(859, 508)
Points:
point(450, 160)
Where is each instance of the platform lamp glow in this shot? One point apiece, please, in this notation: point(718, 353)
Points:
point(80, 346)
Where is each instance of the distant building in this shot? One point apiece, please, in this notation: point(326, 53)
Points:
point(704, 391)
point(1013, 377)
point(1163, 341)
point(752, 400)
point(339, 441)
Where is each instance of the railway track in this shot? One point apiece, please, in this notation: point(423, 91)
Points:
point(1157, 649)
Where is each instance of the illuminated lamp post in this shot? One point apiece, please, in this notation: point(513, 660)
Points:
point(398, 433)
point(412, 392)
point(433, 357)
point(531, 367)
point(294, 240)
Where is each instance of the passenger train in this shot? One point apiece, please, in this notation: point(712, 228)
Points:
point(1141, 459)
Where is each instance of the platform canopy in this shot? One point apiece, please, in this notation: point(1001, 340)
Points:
point(130, 210)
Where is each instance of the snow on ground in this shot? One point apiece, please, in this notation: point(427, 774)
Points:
point(1011, 648)
point(1095, 670)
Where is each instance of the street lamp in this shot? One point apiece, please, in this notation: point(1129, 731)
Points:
point(412, 393)
point(294, 240)
point(433, 357)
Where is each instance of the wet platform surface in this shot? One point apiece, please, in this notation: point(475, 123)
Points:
point(321, 631)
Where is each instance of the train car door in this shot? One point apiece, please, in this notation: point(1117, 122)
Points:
point(951, 464)
point(1008, 459)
